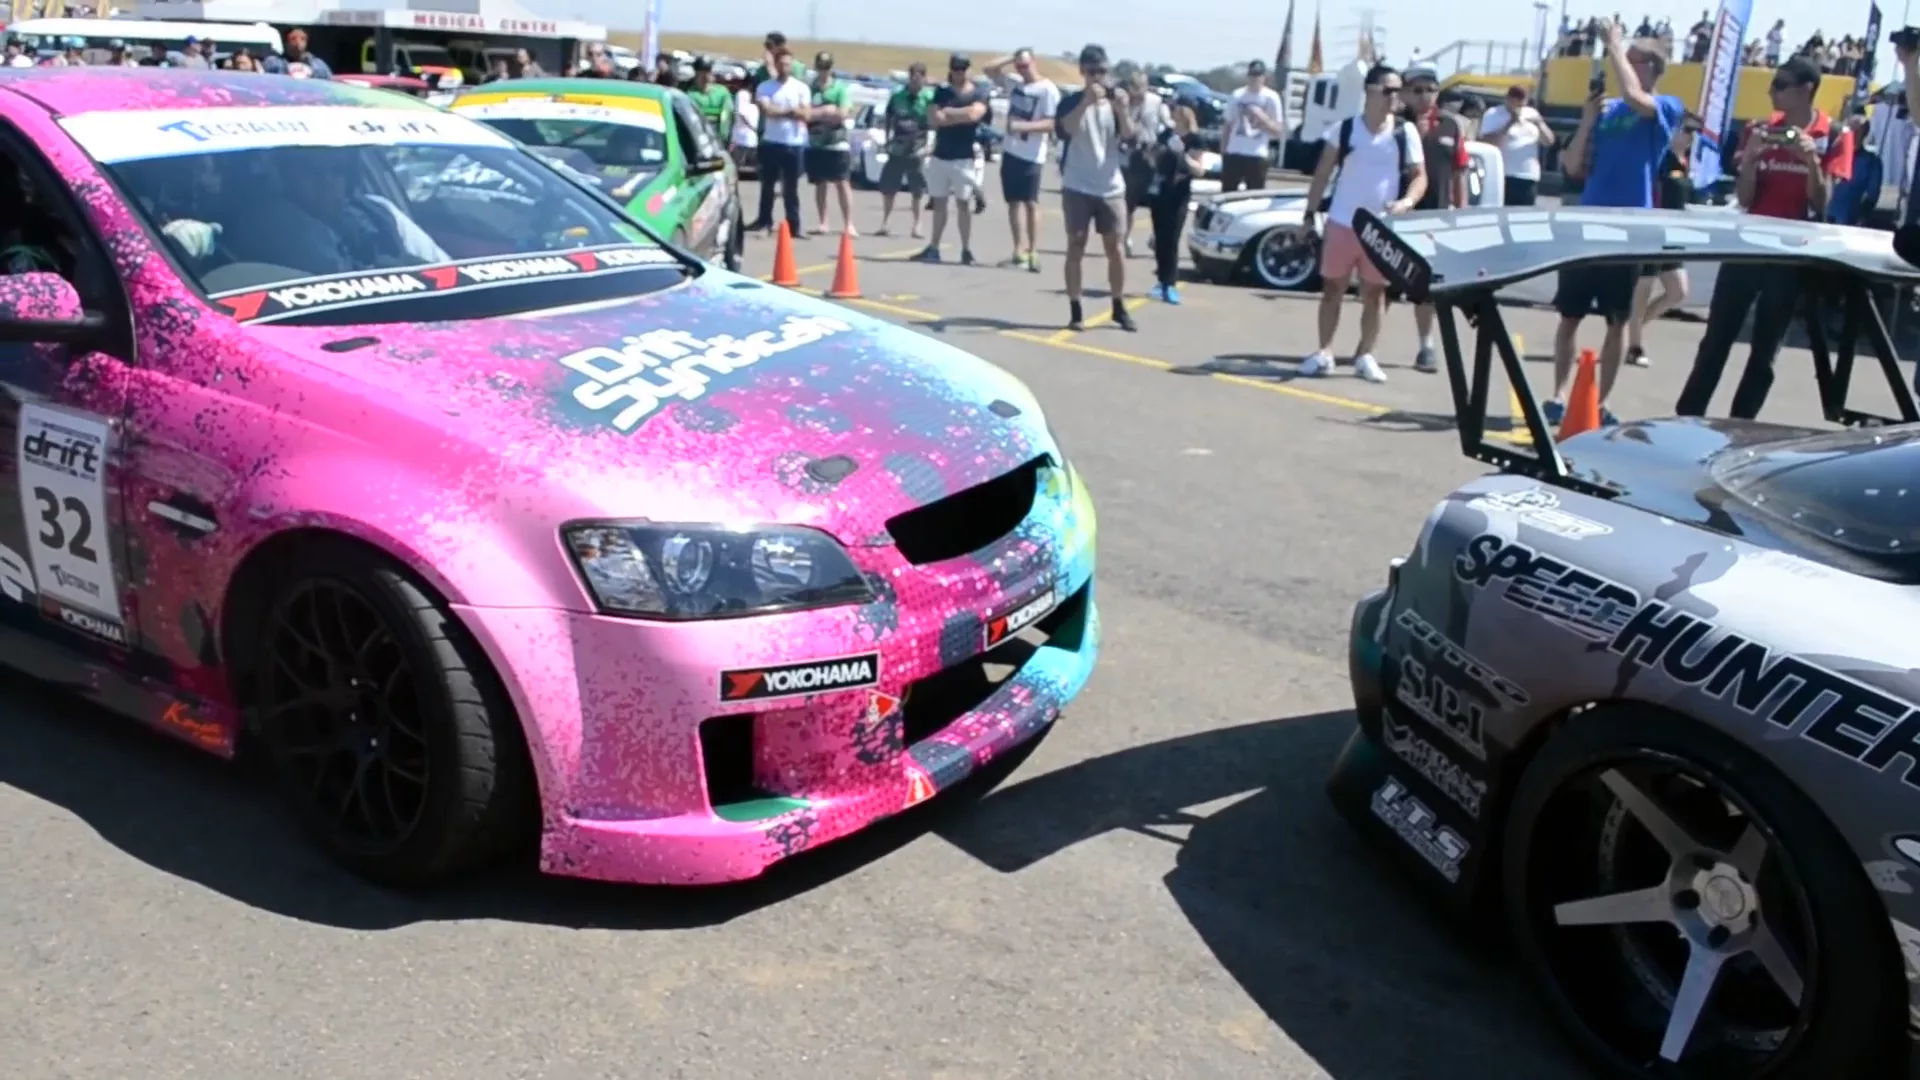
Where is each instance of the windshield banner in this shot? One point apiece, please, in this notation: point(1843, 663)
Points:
point(257, 305)
point(639, 113)
point(136, 135)
point(1717, 86)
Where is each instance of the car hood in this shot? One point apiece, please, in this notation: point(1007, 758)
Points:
point(1665, 467)
point(717, 400)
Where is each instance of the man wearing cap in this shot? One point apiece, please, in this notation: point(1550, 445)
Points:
point(1519, 130)
point(907, 130)
point(1255, 116)
point(958, 107)
point(829, 150)
point(1094, 128)
point(190, 55)
point(712, 99)
point(1617, 151)
point(1443, 147)
point(784, 103)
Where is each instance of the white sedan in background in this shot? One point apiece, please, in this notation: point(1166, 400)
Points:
point(1256, 235)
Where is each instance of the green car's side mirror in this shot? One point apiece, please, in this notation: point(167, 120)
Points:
point(706, 165)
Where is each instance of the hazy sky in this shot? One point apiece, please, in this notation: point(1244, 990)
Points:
point(1191, 33)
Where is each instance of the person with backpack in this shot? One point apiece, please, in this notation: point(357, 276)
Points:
point(1381, 167)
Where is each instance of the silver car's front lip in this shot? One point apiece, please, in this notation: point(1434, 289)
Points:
point(1215, 245)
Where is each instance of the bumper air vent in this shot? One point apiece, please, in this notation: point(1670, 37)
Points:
point(969, 520)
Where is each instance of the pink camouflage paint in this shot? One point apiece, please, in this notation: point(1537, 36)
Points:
point(460, 447)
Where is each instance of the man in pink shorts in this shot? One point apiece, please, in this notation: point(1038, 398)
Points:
point(1381, 168)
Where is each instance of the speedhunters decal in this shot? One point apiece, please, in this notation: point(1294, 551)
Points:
point(631, 382)
point(1857, 721)
point(1003, 626)
point(800, 680)
point(350, 290)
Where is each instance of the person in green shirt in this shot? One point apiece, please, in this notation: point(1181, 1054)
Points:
point(712, 99)
point(906, 122)
point(829, 153)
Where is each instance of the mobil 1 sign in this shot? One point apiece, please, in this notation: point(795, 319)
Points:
point(63, 495)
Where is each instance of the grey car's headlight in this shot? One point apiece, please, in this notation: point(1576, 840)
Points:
point(662, 571)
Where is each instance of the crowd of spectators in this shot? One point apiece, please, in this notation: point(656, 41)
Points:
point(1833, 56)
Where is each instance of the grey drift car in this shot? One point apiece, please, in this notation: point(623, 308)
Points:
point(1648, 701)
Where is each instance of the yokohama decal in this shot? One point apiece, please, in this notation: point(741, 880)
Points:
point(801, 680)
point(352, 290)
point(1003, 626)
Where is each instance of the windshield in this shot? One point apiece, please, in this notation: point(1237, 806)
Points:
point(611, 154)
point(417, 55)
point(1855, 490)
point(256, 201)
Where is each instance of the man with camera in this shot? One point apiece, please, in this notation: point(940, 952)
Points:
point(1617, 151)
point(1787, 170)
point(1094, 128)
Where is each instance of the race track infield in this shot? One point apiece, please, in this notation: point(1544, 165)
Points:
point(1162, 891)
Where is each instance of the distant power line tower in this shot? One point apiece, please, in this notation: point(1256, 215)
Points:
point(1345, 44)
point(813, 21)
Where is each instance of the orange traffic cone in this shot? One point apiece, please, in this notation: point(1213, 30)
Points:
point(1583, 404)
point(784, 272)
point(846, 276)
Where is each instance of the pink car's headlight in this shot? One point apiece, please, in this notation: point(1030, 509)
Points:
point(667, 571)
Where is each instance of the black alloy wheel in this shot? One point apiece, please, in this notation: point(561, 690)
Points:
point(1691, 914)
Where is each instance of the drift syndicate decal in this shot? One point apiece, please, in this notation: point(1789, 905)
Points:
point(350, 290)
point(1001, 627)
point(1841, 714)
point(800, 680)
point(654, 368)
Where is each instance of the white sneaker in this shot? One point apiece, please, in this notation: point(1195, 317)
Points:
point(1316, 365)
point(1368, 368)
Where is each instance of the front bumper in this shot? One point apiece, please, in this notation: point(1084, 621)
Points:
point(652, 770)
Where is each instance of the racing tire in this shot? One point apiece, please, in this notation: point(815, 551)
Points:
point(1578, 831)
point(384, 725)
point(1279, 261)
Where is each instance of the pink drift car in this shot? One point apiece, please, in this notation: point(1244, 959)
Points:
point(343, 427)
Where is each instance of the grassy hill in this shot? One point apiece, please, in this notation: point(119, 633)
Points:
point(850, 56)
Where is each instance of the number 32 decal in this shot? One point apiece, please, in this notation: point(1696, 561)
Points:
point(63, 494)
point(54, 512)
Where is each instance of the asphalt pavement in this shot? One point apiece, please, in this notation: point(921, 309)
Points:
point(1161, 891)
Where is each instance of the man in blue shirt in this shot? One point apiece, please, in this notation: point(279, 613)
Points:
point(1617, 151)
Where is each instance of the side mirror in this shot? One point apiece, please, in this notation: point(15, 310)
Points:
point(706, 165)
point(41, 307)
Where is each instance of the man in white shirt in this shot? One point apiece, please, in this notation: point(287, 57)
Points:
point(785, 104)
point(1032, 105)
point(1255, 116)
point(1519, 131)
point(1382, 168)
point(1095, 125)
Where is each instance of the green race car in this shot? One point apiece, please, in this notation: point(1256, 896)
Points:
point(645, 146)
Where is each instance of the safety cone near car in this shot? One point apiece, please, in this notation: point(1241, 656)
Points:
point(1583, 404)
point(784, 272)
point(846, 275)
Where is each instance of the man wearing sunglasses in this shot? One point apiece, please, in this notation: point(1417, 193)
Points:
point(1443, 143)
point(1787, 170)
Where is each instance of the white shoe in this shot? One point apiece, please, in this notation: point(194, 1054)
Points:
point(1368, 368)
point(1316, 365)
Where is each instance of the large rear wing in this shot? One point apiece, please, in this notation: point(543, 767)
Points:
point(1457, 260)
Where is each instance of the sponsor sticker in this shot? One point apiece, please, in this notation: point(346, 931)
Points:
point(1789, 693)
point(1443, 848)
point(1459, 660)
point(548, 108)
point(1429, 696)
point(1540, 509)
point(63, 480)
point(801, 680)
point(630, 383)
point(1435, 767)
point(1003, 626)
point(353, 290)
point(110, 137)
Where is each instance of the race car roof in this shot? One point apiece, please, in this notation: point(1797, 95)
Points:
point(1472, 249)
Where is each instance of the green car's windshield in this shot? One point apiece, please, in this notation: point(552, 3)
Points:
point(617, 147)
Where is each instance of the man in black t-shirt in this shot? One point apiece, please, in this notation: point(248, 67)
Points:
point(958, 108)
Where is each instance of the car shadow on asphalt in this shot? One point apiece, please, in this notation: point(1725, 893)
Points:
point(981, 322)
point(221, 826)
point(1268, 367)
point(1313, 923)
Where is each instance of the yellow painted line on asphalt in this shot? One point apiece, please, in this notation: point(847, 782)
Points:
point(1099, 320)
point(914, 314)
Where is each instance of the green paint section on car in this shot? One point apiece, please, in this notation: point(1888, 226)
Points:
point(696, 187)
point(759, 809)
